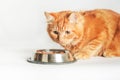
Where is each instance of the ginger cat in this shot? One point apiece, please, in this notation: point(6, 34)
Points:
point(86, 34)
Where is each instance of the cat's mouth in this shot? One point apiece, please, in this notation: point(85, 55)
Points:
point(64, 43)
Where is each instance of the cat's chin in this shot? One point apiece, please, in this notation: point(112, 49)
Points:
point(66, 46)
point(63, 44)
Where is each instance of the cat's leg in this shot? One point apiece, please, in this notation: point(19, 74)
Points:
point(113, 50)
point(93, 48)
point(70, 56)
point(111, 53)
point(81, 55)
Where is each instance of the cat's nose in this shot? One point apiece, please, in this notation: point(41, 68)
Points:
point(60, 39)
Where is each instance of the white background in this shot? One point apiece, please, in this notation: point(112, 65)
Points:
point(23, 30)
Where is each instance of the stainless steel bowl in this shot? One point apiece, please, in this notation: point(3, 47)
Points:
point(52, 56)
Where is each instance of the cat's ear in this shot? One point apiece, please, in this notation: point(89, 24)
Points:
point(73, 18)
point(50, 18)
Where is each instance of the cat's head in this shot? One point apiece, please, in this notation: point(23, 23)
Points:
point(65, 27)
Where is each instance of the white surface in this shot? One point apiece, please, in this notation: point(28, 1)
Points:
point(23, 30)
point(13, 66)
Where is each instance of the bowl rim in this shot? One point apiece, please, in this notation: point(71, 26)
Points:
point(55, 50)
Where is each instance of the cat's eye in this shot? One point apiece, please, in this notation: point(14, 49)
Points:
point(55, 32)
point(67, 32)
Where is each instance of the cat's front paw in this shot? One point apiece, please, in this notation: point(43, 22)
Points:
point(81, 56)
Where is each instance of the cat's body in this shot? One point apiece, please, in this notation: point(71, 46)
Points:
point(86, 34)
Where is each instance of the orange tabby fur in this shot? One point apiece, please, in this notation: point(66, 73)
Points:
point(86, 34)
